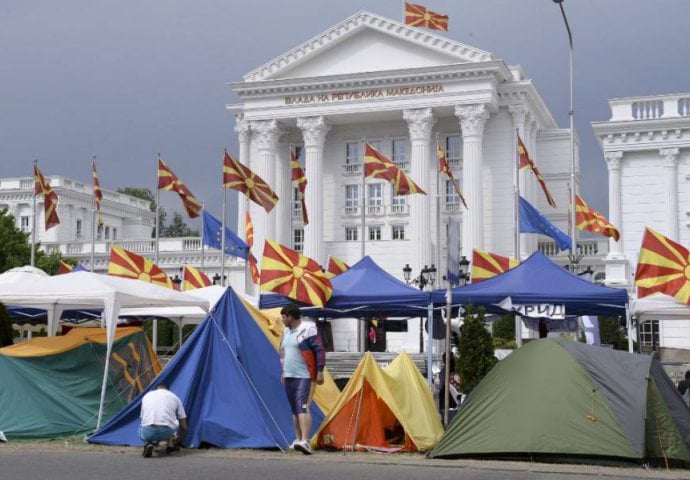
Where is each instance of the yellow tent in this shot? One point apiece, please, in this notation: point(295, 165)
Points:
point(269, 320)
point(389, 409)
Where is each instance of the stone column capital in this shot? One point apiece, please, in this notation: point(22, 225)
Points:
point(242, 128)
point(267, 133)
point(472, 119)
point(670, 156)
point(613, 160)
point(519, 114)
point(420, 121)
point(314, 130)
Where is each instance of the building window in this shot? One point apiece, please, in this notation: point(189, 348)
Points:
point(106, 233)
point(351, 234)
point(79, 228)
point(24, 223)
point(649, 335)
point(114, 233)
point(296, 203)
point(399, 204)
point(353, 160)
point(375, 200)
point(351, 199)
point(454, 150)
point(398, 232)
point(399, 146)
point(376, 144)
point(375, 232)
point(298, 239)
point(452, 198)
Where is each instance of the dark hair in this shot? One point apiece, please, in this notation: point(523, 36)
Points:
point(291, 310)
point(687, 375)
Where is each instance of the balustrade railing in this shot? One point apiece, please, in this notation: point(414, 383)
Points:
point(650, 108)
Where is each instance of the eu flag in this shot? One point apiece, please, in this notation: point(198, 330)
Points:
point(532, 221)
point(211, 237)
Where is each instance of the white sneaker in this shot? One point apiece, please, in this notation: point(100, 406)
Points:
point(303, 447)
point(292, 445)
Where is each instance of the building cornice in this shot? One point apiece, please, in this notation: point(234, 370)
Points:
point(356, 23)
point(638, 135)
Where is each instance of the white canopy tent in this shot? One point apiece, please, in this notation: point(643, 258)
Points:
point(86, 289)
point(26, 273)
point(659, 307)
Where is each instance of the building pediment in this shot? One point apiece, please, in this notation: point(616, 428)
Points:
point(363, 43)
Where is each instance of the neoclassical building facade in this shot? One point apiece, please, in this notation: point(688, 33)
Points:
point(646, 145)
point(372, 79)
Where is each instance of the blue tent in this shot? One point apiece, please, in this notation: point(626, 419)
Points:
point(538, 280)
point(364, 290)
point(228, 377)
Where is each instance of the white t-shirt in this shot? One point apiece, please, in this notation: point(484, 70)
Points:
point(161, 407)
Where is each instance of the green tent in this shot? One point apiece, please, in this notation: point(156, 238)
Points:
point(51, 386)
point(557, 400)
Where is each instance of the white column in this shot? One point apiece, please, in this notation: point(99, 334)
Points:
point(420, 122)
point(243, 131)
point(613, 163)
point(284, 192)
point(670, 156)
point(519, 114)
point(472, 120)
point(314, 130)
point(266, 133)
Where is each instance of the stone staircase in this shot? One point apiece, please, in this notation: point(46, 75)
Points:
point(342, 364)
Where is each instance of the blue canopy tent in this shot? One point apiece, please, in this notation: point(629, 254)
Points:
point(538, 280)
point(364, 290)
point(227, 375)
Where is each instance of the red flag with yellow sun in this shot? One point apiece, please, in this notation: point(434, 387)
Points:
point(124, 263)
point(293, 275)
point(663, 267)
point(193, 278)
point(486, 265)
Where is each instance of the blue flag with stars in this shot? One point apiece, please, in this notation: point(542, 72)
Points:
point(532, 221)
point(211, 237)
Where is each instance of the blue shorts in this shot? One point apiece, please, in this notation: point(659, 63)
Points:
point(297, 391)
point(155, 433)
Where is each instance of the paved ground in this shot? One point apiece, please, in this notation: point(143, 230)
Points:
point(72, 460)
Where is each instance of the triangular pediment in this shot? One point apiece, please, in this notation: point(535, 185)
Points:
point(367, 42)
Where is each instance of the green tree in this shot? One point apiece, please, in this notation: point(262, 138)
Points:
point(475, 349)
point(6, 331)
point(15, 249)
point(178, 228)
point(146, 194)
point(503, 331)
point(612, 333)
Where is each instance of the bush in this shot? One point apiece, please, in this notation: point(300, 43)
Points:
point(504, 328)
point(475, 349)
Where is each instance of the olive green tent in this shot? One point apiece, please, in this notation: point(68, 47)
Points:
point(51, 386)
point(557, 400)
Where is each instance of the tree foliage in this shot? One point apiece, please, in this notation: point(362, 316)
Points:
point(178, 228)
point(612, 333)
point(475, 349)
point(15, 249)
point(6, 331)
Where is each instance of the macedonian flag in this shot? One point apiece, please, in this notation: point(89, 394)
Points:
point(97, 193)
point(167, 180)
point(527, 162)
point(249, 239)
point(335, 267)
point(663, 267)
point(64, 267)
point(420, 16)
point(486, 265)
point(444, 167)
point(301, 180)
point(254, 269)
point(124, 263)
point(193, 279)
point(376, 165)
point(293, 275)
point(593, 221)
point(50, 198)
point(240, 178)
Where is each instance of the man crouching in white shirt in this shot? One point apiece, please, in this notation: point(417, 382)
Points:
point(162, 415)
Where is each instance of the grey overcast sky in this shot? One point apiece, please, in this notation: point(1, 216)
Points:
point(125, 79)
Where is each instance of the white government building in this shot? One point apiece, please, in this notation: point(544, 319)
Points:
point(373, 79)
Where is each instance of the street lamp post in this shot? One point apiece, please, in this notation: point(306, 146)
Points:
point(426, 277)
point(573, 255)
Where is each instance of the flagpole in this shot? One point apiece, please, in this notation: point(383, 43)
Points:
point(203, 207)
point(516, 188)
point(222, 241)
point(93, 219)
point(449, 294)
point(363, 197)
point(158, 206)
point(438, 210)
point(292, 199)
point(33, 221)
